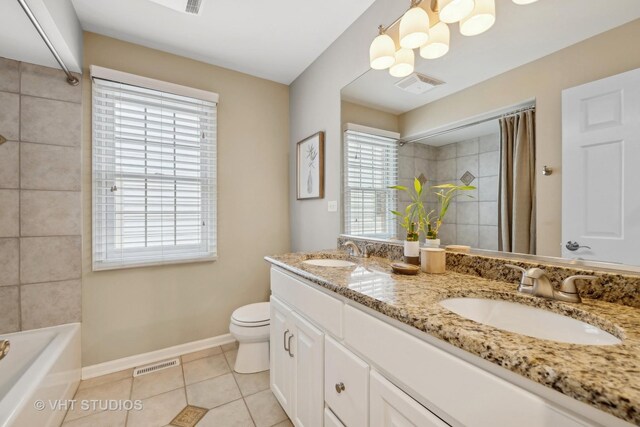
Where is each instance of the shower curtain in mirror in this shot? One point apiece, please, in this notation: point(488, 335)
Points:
point(517, 194)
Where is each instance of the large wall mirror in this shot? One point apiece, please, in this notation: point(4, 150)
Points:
point(541, 135)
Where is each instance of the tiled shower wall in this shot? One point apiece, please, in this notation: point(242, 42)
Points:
point(40, 198)
point(469, 221)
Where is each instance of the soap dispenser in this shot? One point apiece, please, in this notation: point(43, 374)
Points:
point(412, 245)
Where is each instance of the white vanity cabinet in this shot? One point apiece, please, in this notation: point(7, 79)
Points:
point(297, 365)
point(334, 363)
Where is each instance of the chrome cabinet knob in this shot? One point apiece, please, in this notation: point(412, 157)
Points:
point(340, 387)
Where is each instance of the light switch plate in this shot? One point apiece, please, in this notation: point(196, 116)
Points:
point(332, 206)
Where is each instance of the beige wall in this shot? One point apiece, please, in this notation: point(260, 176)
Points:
point(131, 311)
point(365, 116)
point(610, 53)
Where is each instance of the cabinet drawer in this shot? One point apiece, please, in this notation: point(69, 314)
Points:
point(346, 384)
point(452, 388)
point(330, 420)
point(390, 407)
point(323, 310)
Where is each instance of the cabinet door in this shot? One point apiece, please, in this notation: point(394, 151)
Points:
point(307, 348)
point(346, 387)
point(330, 420)
point(391, 407)
point(281, 362)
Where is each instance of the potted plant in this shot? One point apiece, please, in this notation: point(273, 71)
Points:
point(412, 220)
point(446, 193)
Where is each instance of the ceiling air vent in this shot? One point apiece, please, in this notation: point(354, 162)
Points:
point(418, 83)
point(186, 6)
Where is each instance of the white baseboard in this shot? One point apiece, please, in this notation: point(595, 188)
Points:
point(153, 356)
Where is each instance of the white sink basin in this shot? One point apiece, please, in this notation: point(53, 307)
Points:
point(329, 262)
point(529, 321)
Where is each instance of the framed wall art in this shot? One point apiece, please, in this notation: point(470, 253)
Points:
point(310, 167)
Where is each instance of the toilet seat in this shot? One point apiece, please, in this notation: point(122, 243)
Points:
point(252, 315)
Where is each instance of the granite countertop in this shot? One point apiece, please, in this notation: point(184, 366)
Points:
point(606, 377)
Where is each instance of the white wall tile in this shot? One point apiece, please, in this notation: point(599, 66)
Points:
point(489, 164)
point(488, 237)
point(50, 122)
point(48, 259)
point(489, 143)
point(9, 262)
point(467, 148)
point(47, 82)
point(49, 167)
point(9, 309)
point(9, 75)
point(488, 188)
point(467, 213)
point(10, 116)
point(10, 165)
point(50, 213)
point(49, 304)
point(467, 235)
point(446, 152)
point(9, 213)
point(488, 213)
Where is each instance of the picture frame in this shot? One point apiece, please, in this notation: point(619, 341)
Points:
point(310, 167)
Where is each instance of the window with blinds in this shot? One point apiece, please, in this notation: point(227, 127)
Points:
point(154, 176)
point(370, 167)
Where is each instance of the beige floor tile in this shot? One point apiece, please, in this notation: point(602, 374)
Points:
point(213, 392)
point(200, 354)
point(230, 346)
point(118, 390)
point(158, 410)
point(286, 423)
point(157, 383)
point(265, 409)
point(202, 369)
point(231, 357)
point(101, 419)
point(234, 414)
point(103, 379)
point(252, 383)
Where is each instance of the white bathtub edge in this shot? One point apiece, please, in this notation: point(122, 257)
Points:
point(153, 356)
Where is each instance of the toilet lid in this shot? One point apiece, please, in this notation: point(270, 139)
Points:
point(252, 314)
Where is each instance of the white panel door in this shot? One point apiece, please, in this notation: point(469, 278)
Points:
point(601, 170)
point(391, 407)
point(281, 363)
point(307, 348)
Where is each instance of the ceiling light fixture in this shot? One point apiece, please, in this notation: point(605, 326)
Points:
point(414, 27)
point(425, 28)
point(403, 66)
point(481, 18)
point(382, 51)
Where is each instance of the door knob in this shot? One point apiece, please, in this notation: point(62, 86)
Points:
point(574, 246)
point(340, 387)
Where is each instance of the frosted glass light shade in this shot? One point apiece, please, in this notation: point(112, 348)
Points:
point(414, 28)
point(403, 66)
point(524, 1)
point(481, 18)
point(382, 52)
point(454, 10)
point(438, 44)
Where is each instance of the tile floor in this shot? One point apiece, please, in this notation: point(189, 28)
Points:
point(205, 379)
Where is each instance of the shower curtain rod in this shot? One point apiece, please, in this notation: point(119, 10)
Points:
point(477, 122)
point(71, 79)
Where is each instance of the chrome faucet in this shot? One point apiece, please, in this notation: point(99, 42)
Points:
point(355, 250)
point(535, 282)
point(5, 345)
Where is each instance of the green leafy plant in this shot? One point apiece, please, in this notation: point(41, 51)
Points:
point(416, 219)
point(413, 218)
point(446, 193)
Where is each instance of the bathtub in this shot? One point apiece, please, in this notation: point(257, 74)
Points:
point(42, 365)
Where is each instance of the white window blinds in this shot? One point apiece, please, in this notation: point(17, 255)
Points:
point(370, 167)
point(154, 176)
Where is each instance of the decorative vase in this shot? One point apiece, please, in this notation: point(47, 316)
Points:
point(412, 246)
point(432, 243)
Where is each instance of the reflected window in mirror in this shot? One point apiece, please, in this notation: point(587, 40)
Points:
point(370, 167)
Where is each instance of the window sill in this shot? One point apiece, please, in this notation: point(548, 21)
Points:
point(109, 267)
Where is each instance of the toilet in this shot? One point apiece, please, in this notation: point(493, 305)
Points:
point(250, 326)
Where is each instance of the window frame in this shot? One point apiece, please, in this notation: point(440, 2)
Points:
point(207, 248)
point(392, 204)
